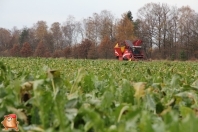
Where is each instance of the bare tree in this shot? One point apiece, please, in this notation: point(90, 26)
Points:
point(147, 23)
point(57, 35)
point(15, 33)
point(186, 23)
point(172, 33)
point(5, 37)
point(92, 28)
point(165, 26)
point(194, 37)
point(72, 32)
point(32, 38)
point(49, 42)
point(106, 25)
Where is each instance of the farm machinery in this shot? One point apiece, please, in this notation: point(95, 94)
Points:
point(128, 50)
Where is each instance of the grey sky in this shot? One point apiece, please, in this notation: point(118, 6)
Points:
point(21, 13)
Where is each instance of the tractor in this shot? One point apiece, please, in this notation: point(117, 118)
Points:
point(127, 50)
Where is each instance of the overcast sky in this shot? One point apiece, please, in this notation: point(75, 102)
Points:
point(21, 13)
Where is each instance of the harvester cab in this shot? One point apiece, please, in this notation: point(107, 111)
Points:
point(128, 50)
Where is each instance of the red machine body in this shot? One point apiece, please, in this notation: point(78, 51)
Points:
point(128, 50)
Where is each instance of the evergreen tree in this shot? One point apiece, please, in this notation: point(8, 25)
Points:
point(129, 15)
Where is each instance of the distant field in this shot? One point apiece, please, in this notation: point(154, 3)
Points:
point(99, 95)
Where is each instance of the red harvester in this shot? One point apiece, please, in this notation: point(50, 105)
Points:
point(128, 50)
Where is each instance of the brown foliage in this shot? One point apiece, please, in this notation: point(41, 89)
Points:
point(15, 51)
point(67, 51)
point(125, 29)
point(84, 48)
point(75, 51)
point(106, 48)
point(40, 50)
point(166, 32)
point(58, 53)
point(26, 50)
point(47, 53)
point(4, 53)
point(40, 30)
point(92, 53)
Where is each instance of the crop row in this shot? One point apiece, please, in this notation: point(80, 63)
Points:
point(99, 95)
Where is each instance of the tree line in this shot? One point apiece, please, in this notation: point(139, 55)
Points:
point(167, 32)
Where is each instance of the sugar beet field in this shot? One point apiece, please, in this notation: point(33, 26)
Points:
point(63, 95)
